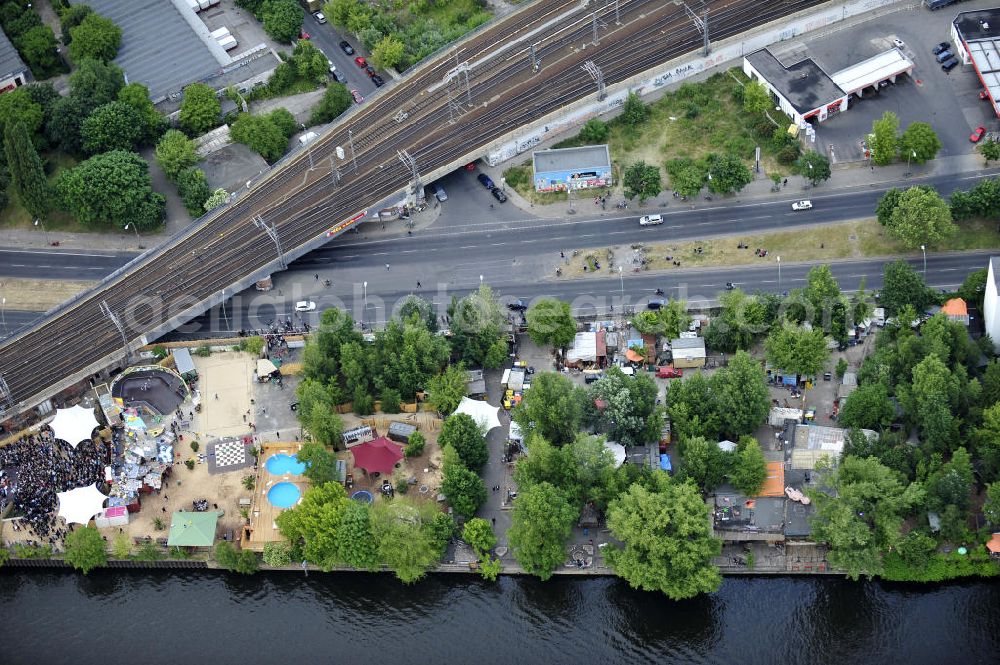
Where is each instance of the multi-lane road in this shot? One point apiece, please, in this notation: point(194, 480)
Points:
point(303, 197)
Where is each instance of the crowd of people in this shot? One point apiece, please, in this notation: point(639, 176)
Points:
point(35, 468)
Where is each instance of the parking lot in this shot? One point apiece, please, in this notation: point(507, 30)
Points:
point(948, 101)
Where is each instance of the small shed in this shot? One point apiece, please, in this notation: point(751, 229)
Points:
point(779, 415)
point(956, 310)
point(476, 385)
point(688, 352)
point(401, 432)
point(727, 446)
point(516, 380)
point(184, 363)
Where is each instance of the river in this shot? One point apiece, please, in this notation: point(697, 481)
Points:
point(186, 617)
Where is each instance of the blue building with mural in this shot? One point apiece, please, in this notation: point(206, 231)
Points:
point(572, 168)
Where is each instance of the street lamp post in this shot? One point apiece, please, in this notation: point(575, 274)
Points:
point(3, 313)
point(224, 316)
point(45, 233)
point(779, 274)
point(622, 278)
point(913, 154)
point(135, 230)
point(364, 314)
point(923, 250)
point(480, 280)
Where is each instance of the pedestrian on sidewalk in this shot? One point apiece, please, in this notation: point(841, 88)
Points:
point(387, 267)
point(418, 284)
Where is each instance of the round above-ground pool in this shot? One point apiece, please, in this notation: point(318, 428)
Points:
point(284, 495)
point(281, 464)
point(364, 496)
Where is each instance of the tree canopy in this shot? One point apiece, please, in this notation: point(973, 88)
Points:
point(813, 166)
point(112, 126)
point(550, 321)
point(540, 528)
point(901, 286)
point(921, 217)
point(111, 190)
point(463, 488)
point(448, 388)
point(797, 350)
point(919, 143)
point(464, 435)
point(642, 180)
point(86, 549)
point(885, 142)
point(749, 468)
point(95, 37)
point(200, 109)
point(335, 101)
point(624, 407)
point(727, 174)
point(552, 408)
point(174, 153)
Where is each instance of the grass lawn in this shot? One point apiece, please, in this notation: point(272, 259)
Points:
point(14, 216)
point(40, 295)
point(816, 244)
point(692, 121)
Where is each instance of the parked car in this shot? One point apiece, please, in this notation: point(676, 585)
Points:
point(978, 134)
point(378, 81)
point(304, 35)
point(346, 47)
point(518, 305)
point(655, 303)
point(357, 97)
point(305, 306)
point(650, 220)
point(338, 75)
point(439, 192)
point(319, 17)
point(949, 64)
point(939, 47)
point(943, 55)
point(485, 181)
point(471, 166)
point(370, 71)
point(498, 194)
point(898, 43)
point(360, 62)
point(802, 205)
point(668, 372)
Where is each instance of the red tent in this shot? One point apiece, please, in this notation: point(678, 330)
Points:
point(379, 455)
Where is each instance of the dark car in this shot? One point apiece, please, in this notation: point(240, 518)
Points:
point(938, 48)
point(498, 194)
point(370, 71)
point(518, 305)
point(378, 81)
point(346, 47)
point(949, 64)
point(485, 181)
point(656, 303)
point(944, 55)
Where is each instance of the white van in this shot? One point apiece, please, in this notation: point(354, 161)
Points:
point(650, 220)
point(307, 137)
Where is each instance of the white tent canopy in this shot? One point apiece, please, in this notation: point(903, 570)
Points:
point(74, 425)
point(265, 367)
point(482, 412)
point(80, 504)
point(617, 450)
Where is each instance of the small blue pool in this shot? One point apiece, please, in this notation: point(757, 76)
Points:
point(281, 464)
point(284, 495)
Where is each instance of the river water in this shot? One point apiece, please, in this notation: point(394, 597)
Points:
point(182, 617)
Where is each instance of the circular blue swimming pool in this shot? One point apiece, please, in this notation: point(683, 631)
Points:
point(284, 495)
point(281, 464)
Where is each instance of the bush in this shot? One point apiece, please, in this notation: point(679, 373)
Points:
point(159, 352)
point(364, 405)
point(335, 101)
point(148, 551)
point(194, 446)
point(194, 191)
point(189, 464)
point(277, 555)
point(415, 447)
point(243, 562)
point(841, 368)
point(203, 351)
point(390, 401)
point(595, 131)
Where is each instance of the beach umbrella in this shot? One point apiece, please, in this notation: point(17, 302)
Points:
point(378, 456)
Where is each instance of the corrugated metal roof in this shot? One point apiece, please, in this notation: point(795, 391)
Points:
point(568, 159)
point(871, 71)
point(10, 61)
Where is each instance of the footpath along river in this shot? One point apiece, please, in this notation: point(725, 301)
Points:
point(195, 617)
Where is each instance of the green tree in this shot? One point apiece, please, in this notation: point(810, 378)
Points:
point(40, 51)
point(94, 83)
point(95, 37)
point(797, 350)
point(551, 321)
point(552, 408)
point(921, 217)
point(277, 554)
point(982, 200)
point(18, 106)
point(692, 408)
point(63, 128)
point(868, 407)
point(884, 141)
point(282, 19)
point(447, 389)
point(309, 62)
point(929, 402)
point(217, 198)
point(464, 435)
point(540, 528)
point(260, 135)
point(335, 101)
point(749, 470)
point(596, 130)
point(901, 286)
point(136, 95)
point(987, 437)
point(624, 407)
point(312, 523)
point(70, 17)
point(111, 126)
point(642, 180)
point(742, 319)
point(121, 547)
point(687, 176)
point(478, 533)
point(244, 562)
point(353, 541)
point(465, 491)
point(741, 393)
point(991, 507)
point(475, 327)
point(919, 143)
point(26, 170)
point(705, 463)
point(822, 293)
point(415, 446)
point(200, 109)
point(283, 119)
point(321, 464)
point(406, 537)
point(860, 519)
point(111, 190)
point(388, 52)
point(951, 485)
point(990, 150)
point(887, 205)
point(756, 98)
point(175, 152)
point(727, 174)
point(667, 536)
point(86, 549)
point(634, 112)
point(813, 166)
point(192, 185)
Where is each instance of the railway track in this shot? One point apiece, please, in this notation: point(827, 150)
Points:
point(299, 196)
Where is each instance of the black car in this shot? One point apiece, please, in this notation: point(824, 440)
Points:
point(949, 64)
point(518, 305)
point(943, 46)
point(378, 81)
point(485, 181)
point(346, 47)
point(498, 195)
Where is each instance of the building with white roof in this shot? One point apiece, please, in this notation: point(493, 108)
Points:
point(977, 35)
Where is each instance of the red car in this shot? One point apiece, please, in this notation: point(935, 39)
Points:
point(978, 134)
point(471, 166)
point(360, 62)
point(304, 35)
point(669, 372)
point(357, 96)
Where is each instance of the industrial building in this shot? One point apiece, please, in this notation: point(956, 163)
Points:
point(13, 71)
point(975, 34)
point(805, 92)
point(572, 168)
